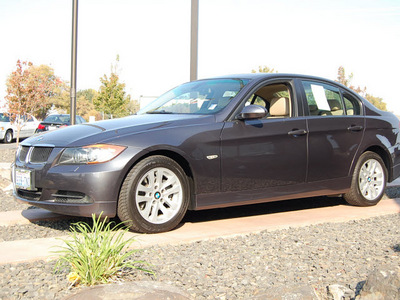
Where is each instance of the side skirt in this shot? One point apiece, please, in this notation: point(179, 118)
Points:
point(304, 190)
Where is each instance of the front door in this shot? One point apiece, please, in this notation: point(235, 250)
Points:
point(269, 152)
point(262, 154)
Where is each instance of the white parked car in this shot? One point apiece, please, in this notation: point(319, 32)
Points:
point(8, 131)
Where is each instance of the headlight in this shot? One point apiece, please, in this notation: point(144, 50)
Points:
point(92, 154)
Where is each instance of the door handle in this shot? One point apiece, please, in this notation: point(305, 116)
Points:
point(297, 132)
point(355, 128)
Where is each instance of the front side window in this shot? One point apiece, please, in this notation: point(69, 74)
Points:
point(323, 99)
point(198, 97)
point(275, 98)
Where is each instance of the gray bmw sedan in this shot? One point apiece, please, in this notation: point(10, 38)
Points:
point(217, 142)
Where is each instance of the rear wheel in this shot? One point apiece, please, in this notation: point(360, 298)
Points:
point(368, 182)
point(154, 196)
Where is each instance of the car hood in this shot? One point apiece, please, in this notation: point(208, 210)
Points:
point(105, 131)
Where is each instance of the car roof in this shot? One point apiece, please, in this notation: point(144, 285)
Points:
point(275, 75)
point(262, 76)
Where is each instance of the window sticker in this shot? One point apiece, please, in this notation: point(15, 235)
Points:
point(229, 94)
point(320, 97)
point(200, 103)
point(212, 106)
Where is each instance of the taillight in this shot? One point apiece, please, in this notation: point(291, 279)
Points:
point(41, 126)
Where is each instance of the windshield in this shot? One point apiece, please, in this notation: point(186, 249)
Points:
point(199, 97)
point(4, 118)
point(58, 119)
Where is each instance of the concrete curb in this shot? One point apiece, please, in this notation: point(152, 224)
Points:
point(27, 216)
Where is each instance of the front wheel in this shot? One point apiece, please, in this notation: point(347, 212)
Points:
point(368, 182)
point(8, 137)
point(154, 196)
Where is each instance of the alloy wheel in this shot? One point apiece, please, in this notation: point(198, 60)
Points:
point(159, 195)
point(371, 179)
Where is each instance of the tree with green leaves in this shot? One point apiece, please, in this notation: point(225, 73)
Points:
point(112, 99)
point(84, 102)
point(61, 101)
point(376, 101)
point(85, 106)
point(89, 94)
point(264, 69)
point(346, 81)
point(133, 107)
point(29, 89)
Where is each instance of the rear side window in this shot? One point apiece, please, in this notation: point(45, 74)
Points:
point(352, 105)
point(323, 99)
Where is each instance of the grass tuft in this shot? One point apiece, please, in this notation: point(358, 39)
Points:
point(97, 254)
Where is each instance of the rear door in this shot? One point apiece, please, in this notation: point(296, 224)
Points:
point(336, 128)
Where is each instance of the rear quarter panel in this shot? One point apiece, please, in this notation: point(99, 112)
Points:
point(382, 132)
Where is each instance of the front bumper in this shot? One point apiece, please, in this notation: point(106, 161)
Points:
point(78, 190)
point(2, 134)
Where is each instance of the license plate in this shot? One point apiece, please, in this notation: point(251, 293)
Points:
point(52, 128)
point(23, 179)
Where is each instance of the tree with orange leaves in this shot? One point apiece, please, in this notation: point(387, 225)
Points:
point(28, 91)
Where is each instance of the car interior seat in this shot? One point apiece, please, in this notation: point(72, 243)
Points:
point(336, 108)
point(279, 108)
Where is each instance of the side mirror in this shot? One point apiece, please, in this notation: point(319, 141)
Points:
point(252, 112)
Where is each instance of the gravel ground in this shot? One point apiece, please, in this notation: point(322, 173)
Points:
point(244, 266)
point(7, 152)
point(8, 203)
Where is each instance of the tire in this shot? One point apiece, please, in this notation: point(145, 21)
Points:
point(368, 182)
point(154, 196)
point(8, 137)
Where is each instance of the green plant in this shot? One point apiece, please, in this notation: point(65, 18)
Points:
point(97, 254)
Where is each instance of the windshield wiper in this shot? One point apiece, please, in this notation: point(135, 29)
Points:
point(159, 112)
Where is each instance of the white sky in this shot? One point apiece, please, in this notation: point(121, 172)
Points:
point(152, 38)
